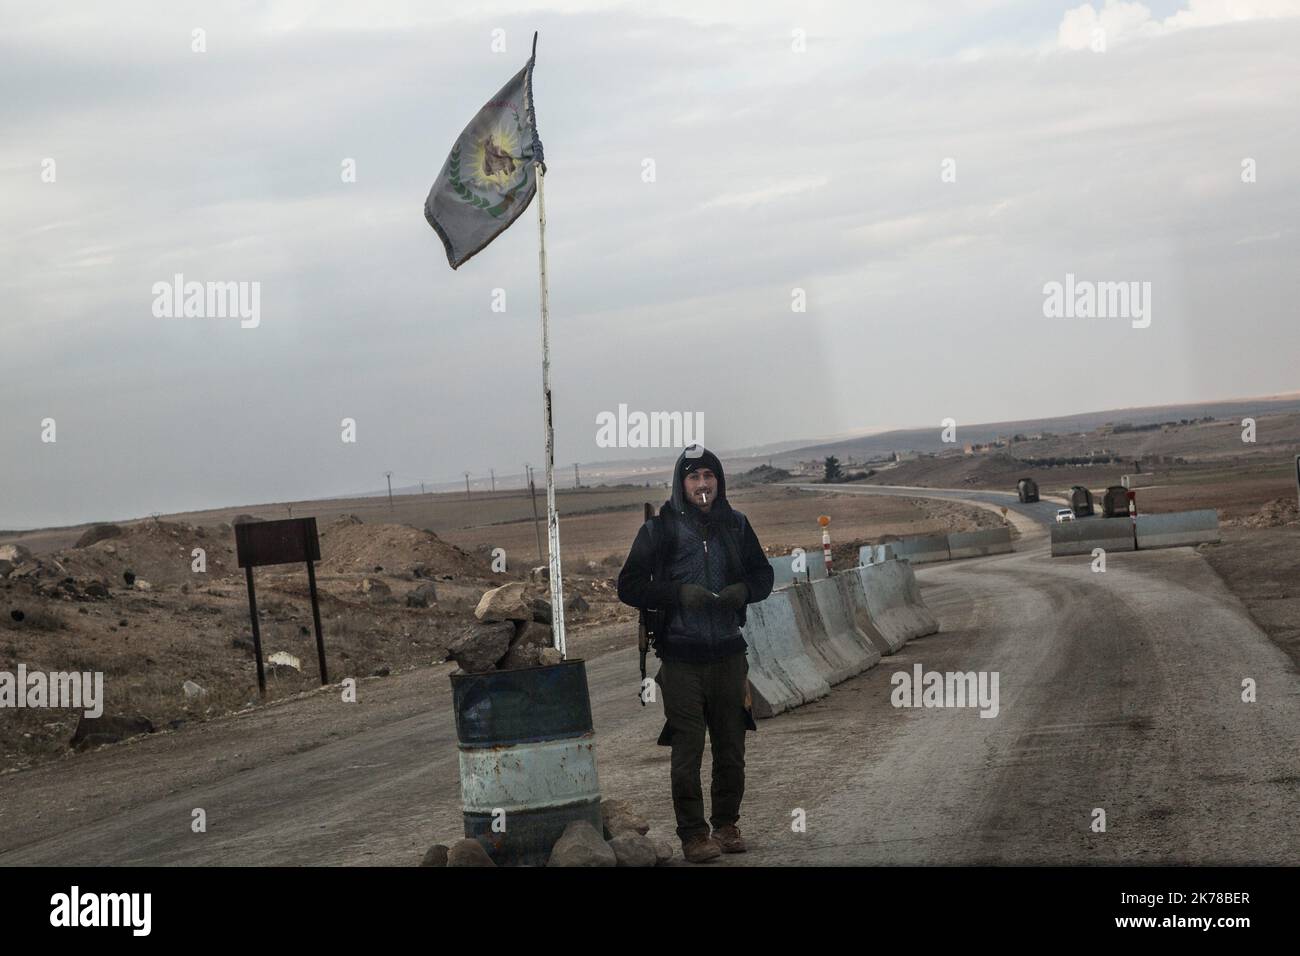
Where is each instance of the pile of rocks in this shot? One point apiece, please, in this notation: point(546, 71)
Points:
point(47, 577)
point(624, 842)
point(1278, 513)
point(512, 630)
point(424, 595)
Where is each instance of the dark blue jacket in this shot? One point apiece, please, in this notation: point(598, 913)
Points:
point(682, 544)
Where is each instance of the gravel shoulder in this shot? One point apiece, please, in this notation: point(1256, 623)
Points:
point(1262, 567)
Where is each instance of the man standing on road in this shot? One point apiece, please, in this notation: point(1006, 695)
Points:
point(694, 568)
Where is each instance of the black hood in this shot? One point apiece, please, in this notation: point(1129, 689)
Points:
point(699, 457)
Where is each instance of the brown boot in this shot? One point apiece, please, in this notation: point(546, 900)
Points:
point(729, 839)
point(701, 848)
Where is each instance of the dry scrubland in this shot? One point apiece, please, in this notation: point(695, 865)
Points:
point(80, 614)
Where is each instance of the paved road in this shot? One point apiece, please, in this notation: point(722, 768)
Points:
point(1043, 512)
point(1119, 691)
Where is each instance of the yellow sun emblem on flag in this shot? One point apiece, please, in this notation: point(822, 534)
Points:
point(495, 158)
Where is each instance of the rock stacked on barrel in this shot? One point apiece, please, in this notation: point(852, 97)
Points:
point(512, 630)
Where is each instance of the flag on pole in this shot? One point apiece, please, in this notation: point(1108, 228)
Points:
point(488, 179)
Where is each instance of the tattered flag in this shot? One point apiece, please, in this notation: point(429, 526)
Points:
point(489, 178)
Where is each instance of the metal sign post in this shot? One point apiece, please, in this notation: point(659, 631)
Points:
point(260, 543)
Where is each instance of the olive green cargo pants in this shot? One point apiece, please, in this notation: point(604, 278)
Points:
point(699, 697)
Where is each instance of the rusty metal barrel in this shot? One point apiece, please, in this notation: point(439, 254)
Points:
point(527, 758)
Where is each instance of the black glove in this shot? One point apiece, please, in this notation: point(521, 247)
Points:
point(734, 596)
point(693, 597)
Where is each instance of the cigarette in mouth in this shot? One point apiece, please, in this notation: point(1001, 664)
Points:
point(704, 496)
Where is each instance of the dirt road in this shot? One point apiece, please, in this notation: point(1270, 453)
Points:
point(1038, 512)
point(1118, 690)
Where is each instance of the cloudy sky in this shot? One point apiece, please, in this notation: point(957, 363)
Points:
point(794, 147)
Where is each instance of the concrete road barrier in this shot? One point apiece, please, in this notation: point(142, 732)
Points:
point(780, 670)
point(816, 564)
point(875, 553)
point(839, 624)
point(973, 544)
point(923, 549)
point(893, 600)
point(1177, 529)
point(783, 573)
point(826, 659)
point(1084, 534)
point(855, 601)
point(928, 548)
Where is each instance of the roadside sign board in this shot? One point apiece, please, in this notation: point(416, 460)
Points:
point(288, 541)
point(260, 543)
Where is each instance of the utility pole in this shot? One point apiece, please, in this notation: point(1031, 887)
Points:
point(467, 485)
point(532, 493)
point(493, 473)
point(577, 483)
point(389, 476)
point(537, 521)
point(421, 487)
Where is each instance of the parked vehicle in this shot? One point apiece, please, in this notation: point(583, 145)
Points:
point(1063, 515)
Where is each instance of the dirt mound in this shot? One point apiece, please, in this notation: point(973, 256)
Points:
point(349, 546)
point(98, 532)
point(161, 552)
point(1278, 513)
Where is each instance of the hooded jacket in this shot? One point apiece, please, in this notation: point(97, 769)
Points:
point(683, 544)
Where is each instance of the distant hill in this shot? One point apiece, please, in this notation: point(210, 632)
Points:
point(929, 439)
point(760, 475)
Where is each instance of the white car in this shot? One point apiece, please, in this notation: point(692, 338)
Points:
point(1064, 514)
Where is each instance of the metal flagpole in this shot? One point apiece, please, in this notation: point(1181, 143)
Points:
point(552, 519)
